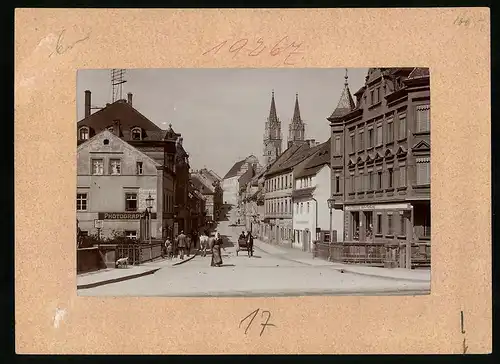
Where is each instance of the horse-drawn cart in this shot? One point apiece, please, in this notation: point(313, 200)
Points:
point(243, 244)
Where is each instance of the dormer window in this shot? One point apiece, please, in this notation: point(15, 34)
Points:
point(111, 129)
point(136, 134)
point(83, 133)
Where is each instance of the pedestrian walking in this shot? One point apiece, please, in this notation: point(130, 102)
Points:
point(169, 249)
point(188, 243)
point(204, 243)
point(216, 244)
point(181, 244)
point(250, 244)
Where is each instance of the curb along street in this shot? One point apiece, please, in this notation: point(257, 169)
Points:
point(345, 269)
point(132, 276)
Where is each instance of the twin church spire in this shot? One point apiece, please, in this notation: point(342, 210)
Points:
point(273, 137)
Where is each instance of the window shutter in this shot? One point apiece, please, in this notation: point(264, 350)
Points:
point(423, 118)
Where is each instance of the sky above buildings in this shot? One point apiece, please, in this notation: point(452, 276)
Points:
point(221, 113)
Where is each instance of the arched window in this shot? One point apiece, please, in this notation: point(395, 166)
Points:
point(83, 133)
point(136, 134)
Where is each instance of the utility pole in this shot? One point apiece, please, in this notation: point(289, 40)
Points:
point(117, 82)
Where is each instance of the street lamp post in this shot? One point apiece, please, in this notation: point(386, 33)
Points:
point(331, 203)
point(149, 205)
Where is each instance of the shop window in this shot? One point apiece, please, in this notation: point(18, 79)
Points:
point(379, 224)
point(131, 234)
point(402, 224)
point(390, 227)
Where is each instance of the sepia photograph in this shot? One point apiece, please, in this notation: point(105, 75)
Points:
point(253, 182)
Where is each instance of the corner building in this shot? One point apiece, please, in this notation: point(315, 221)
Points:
point(380, 157)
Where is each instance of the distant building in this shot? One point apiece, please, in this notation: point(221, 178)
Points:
point(114, 179)
point(381, 156)
point(278, 227)
point(230, 182)
point(209, 186)
point(312, 189)
point(197, 210)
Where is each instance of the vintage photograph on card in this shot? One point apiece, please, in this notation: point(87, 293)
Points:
point(253, 182)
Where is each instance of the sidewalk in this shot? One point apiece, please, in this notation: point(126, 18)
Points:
point(420, 275)
point(114, 275)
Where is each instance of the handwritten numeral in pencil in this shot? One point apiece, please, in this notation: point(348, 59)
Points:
point(238, 46)
point(260, 45)
point(217, 47)
point(253, 314)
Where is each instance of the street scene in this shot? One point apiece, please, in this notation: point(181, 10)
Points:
point(187, 193)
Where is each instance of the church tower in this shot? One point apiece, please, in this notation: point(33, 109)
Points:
point(272, 135)
point(297, 128)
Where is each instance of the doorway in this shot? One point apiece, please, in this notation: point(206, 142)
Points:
point(355, 225)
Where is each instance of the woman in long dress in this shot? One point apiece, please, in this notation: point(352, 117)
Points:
point(216, 251)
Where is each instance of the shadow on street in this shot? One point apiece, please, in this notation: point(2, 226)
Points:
point(226, 242)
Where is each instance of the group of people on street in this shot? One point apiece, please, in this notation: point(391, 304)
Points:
point(183, 244)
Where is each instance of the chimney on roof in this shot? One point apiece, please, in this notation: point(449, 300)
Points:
point(87, 103)
point(116, 127)
point(129, 98)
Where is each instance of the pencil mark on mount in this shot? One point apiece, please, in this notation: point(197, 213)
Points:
point(465, 21)
point(62, 46)
point(253, 314)
point(462, 322)
point(284, 47)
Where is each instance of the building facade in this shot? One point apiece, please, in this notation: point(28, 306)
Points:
point(381, 156)
point(114, 179)
point(278, 226)
point(312, 189)
point(230, 182)
point(209, 186)
point(163, 146)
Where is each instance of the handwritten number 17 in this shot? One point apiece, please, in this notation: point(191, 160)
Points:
point(253, 314)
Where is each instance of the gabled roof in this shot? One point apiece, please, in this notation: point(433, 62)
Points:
point(202, 184)
point(278, 164)
point(316, 161)
point(419, 72)
point(128, 117)
point(109, 135)
point(304, 152)
point(233, 172)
